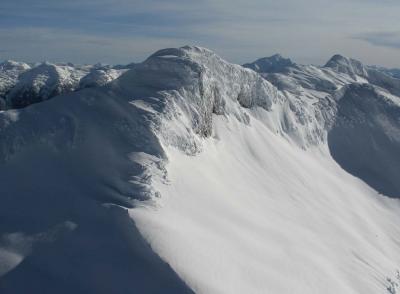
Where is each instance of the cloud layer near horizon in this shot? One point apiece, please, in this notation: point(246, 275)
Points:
point(121, 31)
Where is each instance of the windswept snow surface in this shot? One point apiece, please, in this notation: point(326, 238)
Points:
point(255, 214)
point(188, 173)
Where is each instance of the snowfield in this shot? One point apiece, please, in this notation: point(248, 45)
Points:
point(254, 214)
point(186, 173)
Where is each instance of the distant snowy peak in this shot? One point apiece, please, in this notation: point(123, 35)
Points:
point(347, 65)
point(9, 72)
point(11, 65)
point(100, 77)
point(43, 82)
point(274, 63)
point(22, 84)
point(366, 74)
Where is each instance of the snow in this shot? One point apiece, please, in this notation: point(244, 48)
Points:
point(348, 66)
point(274, 63)
point(188, 173)
point(364, 139)
point(43, 82)
point(100, 77)
point(9, 72)
point(22, 85)
point(253, 213)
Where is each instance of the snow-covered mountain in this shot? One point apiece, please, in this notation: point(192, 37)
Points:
point(100, 77)
point(274, 63)
point(348, 66)
point(9, 72)
point(190, 174)
point(22, 85)
point(43, 82)
point(394, 72)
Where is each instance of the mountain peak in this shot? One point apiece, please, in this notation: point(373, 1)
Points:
point(185, 51)
point(347, 65)
point(14, 65)
point(338, 58)
point(274, 63)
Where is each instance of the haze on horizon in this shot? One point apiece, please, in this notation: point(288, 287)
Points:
point(123, 31)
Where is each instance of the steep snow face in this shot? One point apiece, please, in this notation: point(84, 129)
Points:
point(195, 83)
point(255, 214)
point(274, 63)
point(200, 84)
point(228, 178)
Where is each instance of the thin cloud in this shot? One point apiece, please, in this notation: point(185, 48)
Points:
point(389, 39)
point(64, 45)
point(239, 30)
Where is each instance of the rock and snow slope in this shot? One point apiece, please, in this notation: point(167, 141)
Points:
point(9, 72)
point(188, 173)
point(365, 138)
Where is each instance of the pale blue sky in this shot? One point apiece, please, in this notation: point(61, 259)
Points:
point(122, 31)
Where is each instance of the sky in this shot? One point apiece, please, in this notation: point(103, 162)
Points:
point(124, 31)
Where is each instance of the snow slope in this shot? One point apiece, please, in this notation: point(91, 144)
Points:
point(253, 214)
point(188, 173)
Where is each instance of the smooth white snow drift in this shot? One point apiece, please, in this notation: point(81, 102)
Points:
point(190, 174)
